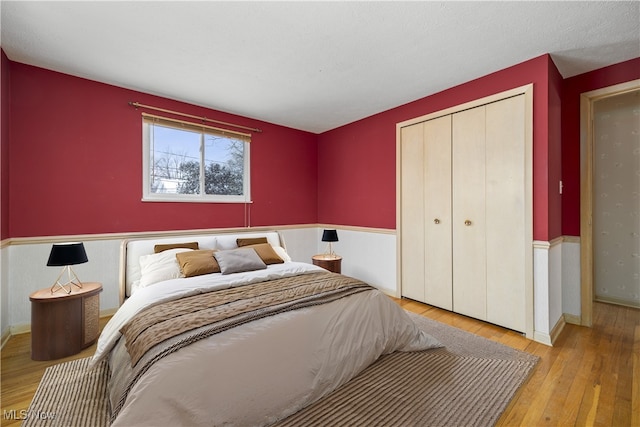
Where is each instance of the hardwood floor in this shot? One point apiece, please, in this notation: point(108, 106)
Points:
point(20, 375)
point(591, 377)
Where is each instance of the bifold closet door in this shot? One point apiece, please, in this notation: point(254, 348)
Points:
point(412, 215)
point(466, 213)
point(469, 232)
point(437, 213)
point(505, 213)
point(489, 244)
point(426, 212)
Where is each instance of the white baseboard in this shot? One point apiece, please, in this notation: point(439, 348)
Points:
point(550, 338)
point(542, 338)
point(572, 319)
point(618, 301)
point(20, 329)
point(5, 337)
point(557, 329)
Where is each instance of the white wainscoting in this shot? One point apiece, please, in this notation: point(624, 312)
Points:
point(549, 273)
point(555, 286)
point(541, 290)
point(27, 270)
point(28, 273)
point(571, 286)
point(302, 243)
point(367, 254)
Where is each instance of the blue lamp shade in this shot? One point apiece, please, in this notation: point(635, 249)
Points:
point(329, 236)
point(63, 254)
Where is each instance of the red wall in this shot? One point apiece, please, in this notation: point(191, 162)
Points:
point(74, 150)
point(5, 96)
point(76, 164)
point(554, 154)
point(573, 87)
point(357, 162)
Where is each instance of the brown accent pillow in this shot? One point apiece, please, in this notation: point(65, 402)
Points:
point(188, 245)
point(266, 253)
point(197, 263)
point(250, 241)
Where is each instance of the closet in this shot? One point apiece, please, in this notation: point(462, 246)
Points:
point(465, 210)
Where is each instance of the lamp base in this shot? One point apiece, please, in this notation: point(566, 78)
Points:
point(329, 253)
point(66, 286)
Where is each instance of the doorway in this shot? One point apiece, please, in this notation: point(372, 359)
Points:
point(610, 197)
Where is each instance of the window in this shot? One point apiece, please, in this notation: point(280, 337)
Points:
point(186, 162)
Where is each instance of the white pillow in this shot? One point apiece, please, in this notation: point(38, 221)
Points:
point(282, 253)
point(158, 267)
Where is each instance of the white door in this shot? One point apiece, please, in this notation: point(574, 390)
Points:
point(469, 233)
point(412, 216)
point(466, 209)
point(426, 212)
point(505, 212)
point(437, 213)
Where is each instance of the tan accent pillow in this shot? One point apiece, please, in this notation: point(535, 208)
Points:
point(189, 245)
point(266, 253)
point(197, 263)
point(250, 241)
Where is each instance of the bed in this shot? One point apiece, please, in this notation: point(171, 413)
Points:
point(248, 341)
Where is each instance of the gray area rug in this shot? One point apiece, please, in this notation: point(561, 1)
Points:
point(70, 394)
point(469, 382)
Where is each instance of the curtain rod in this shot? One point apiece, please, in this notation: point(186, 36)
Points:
point(149, 107)
point(242, 135)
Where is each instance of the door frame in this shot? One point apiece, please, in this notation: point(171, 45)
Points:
point(527, 91)
point(587, 100)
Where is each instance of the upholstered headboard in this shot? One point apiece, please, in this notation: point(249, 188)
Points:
point(131, 250)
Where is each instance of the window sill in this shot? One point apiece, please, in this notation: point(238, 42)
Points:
point(194, 200)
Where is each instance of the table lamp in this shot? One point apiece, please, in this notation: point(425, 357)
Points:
point(330, 236)
point(65, 255)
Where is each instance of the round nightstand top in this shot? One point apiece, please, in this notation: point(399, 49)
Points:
point(325, 257)
point(46, 294)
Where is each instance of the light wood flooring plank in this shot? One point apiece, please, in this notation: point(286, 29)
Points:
point(20, 376)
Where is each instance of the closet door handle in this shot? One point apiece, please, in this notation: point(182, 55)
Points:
point(467, 223)
point(436, 221)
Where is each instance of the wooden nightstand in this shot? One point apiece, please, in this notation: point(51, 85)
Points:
point(63, 324)
point(328, 262)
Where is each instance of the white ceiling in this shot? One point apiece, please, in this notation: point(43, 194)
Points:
point(311, 65)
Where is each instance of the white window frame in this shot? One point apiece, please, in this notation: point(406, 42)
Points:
point(149, 196)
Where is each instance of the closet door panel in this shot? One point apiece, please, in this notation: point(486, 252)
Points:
point(469, 234)
point(437, 212)
point(412, 202)
point(505, 210)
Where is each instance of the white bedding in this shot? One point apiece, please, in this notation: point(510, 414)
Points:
point(261, 371)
